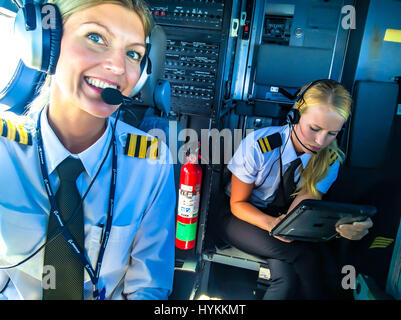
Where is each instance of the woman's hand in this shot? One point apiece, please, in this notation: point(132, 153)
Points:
point(356, 230)
point(274, 223)
point(302, 195)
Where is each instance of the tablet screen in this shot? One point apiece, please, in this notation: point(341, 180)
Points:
point(316, 220)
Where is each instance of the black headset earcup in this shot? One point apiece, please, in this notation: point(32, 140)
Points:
point(293, 116)
point(39, 45)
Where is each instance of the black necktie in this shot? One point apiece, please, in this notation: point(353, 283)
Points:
point(287, 186)
point(69, 272)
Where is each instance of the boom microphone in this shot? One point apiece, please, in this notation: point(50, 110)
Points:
point(293, 129)
point(115, 97)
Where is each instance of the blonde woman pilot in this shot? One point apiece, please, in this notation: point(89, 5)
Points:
point(98, 192)
point(274, 169)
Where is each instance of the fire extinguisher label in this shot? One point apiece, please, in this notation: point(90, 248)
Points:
point(186, 232)
point(184, 187)
point(188, 204)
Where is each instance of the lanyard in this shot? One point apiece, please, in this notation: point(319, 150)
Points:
point(93, 274)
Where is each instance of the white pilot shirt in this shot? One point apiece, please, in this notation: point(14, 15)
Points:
point(139, 258)
point(251, 165)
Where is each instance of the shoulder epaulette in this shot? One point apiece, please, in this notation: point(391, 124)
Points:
point(139, 146)
point(269, 143)
point(15, 132)
point(333, 157)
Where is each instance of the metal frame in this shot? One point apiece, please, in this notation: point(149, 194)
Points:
point(243, 74)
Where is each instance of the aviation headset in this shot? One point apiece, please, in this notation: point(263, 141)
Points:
point(292, 118)
point(38, 29)
point(294, 115)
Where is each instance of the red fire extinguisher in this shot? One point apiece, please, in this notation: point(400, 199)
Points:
point(188, 203)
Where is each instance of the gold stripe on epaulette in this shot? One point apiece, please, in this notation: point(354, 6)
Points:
point(15, 132)
point(153, 151)
point(262, 145)
point(269, 148)
point(11, 131)
point(333, 157)
point(141, 147)
point(381, 242)
point(269, 143)
point(23, 135)
point(131, 145)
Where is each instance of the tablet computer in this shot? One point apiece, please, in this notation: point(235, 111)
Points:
point(316, 220)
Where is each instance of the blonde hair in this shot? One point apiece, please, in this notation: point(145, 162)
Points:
point(69, 7)
point(333, 94)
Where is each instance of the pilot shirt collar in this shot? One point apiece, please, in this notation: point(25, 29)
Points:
point(288, 153)
point(55, 152)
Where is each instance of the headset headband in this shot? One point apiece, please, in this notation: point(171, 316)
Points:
point(301, 94)
point(294, 115)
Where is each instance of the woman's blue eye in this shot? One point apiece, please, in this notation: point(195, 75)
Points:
point(95, 37)
point(134, 55)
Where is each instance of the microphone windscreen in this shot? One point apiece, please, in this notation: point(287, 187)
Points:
point(111, 96)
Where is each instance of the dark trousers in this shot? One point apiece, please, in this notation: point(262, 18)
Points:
point(295, 267)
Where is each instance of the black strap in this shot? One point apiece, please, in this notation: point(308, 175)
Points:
point(6, 285)
point(288, 95)
point(98, 294)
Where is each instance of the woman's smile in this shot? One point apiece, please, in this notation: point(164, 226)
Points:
point(97, 85)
